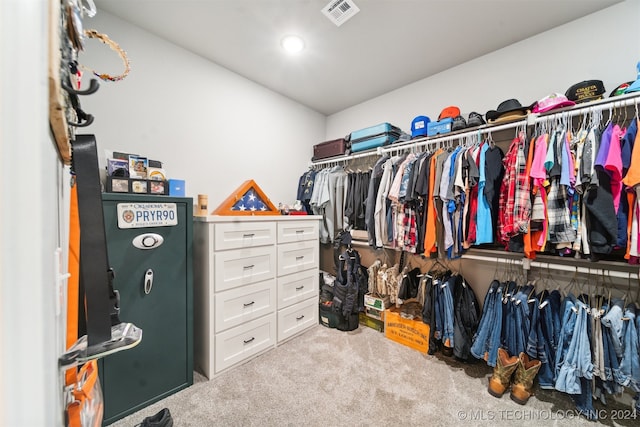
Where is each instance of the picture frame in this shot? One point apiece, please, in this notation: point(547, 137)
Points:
point(117, 185)
point(139, 186)
point(157, 187)
point(138, 166)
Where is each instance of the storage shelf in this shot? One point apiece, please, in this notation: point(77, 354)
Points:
point(621, 101)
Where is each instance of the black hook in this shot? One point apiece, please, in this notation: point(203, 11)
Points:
point(84, 119)
point(88, 119)
point(93, 88)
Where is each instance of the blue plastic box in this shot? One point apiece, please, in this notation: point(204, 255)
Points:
point(177, 187)
point(441, 126)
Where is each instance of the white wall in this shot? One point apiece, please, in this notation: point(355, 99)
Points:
point(33, 200)
point(209, 126)
point(604, 46)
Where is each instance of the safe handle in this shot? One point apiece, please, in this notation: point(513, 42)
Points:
point(148, 281)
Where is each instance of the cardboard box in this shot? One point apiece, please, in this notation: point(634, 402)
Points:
point(376, 302)
point(372, 323)
point(373, 313)
point(412, 333)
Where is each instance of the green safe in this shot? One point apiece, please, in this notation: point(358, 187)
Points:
point(149, 243)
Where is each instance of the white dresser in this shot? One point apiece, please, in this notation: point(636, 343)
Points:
point(255, 285)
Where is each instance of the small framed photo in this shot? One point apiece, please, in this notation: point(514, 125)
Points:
point(138, 167)
point(139, 186)
point(118, 185)
point(157, 187)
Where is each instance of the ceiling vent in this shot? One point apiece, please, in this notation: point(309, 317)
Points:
point(340, 11)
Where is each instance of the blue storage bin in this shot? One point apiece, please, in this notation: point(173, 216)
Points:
point(439, 127)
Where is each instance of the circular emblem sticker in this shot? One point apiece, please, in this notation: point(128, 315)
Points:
point(128, 216)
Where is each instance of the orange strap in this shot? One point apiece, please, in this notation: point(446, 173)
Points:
point(73, 283)
point(73, 414)
point(85, 381)
point(87, 376)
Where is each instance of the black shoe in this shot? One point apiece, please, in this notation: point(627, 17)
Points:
point(161, 419)
point(475, 119)
point(458, 123)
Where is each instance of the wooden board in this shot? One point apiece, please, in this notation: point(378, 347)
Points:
point(57, 118)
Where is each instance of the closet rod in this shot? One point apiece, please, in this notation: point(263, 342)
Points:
point(553, 266)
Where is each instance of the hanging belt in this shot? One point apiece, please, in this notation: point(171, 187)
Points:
point(101, 301)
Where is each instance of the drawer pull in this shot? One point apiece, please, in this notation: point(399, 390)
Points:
point(249, 304)
point(299, 257)
point(300, 317)
point(249, 340)
point(248, 267)
point(299, 288)
point(248, 235)
point(299, 231)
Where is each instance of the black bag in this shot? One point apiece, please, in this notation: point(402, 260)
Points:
point(409, 285)
point(349, 289)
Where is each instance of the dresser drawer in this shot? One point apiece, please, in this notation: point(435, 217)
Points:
point(297, 287)
point(297, 231)
point(234, 235)
point(244, 266)
point(245, 303)
point(299, 256)
point(296, 318)
point(239, 343)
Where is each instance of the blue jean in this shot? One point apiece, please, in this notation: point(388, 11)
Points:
point(630, 363)
point(437, 308)
point(523, 321)
point(509, 321)
point(487, 339)
point(611, 365)
point(542, 345)
point(577, 362)
point(480, 344)
point(496, 331)
point(584, 401)
point(569, 317)
point(447, 311)
point(613, 321)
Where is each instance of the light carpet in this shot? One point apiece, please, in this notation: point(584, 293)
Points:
point(326, 377)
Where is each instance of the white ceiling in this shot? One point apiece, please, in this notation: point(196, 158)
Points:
point(387, 45)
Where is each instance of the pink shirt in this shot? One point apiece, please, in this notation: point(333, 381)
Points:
point(613, 164)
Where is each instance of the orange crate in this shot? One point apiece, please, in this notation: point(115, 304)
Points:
point(410, 332)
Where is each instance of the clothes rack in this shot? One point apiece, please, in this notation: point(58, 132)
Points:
point(621, 101)
point(528, 264)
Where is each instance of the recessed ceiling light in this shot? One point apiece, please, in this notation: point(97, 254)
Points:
point(292, 44)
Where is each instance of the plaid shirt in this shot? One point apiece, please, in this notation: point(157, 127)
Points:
point(560, 229)
point(514, 203)
point(409, 226)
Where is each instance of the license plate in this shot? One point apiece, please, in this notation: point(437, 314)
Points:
point(140, 215)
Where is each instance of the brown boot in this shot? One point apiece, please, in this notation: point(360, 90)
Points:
point(522, 387)
point(501, 378)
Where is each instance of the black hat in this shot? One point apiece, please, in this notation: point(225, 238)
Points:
point(507, 110)
point(585, 91)
point(620, 89)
